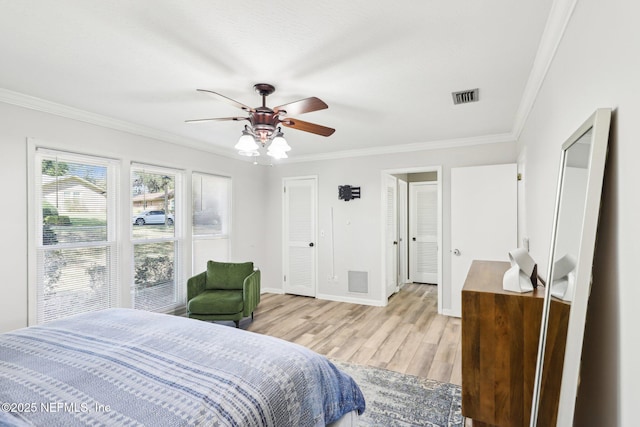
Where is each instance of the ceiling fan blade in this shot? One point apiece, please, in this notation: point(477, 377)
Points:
point(229, 100)
point(217, 119)
point(302, 106)
point(307, 127)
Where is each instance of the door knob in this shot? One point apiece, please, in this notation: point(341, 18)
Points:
point(456, 252)
point(311, 244)
point(395, 242)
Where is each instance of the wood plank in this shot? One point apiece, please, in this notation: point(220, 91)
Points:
point(444, 358)
point(406, 351)
point(456, 371)
point(405, 336)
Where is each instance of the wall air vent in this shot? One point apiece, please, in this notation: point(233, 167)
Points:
point(465, 96)
point(358, 282)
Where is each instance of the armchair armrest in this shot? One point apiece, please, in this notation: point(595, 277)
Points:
point(196, 284)
point(251, 292)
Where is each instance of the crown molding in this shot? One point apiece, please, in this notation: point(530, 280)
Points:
point(406, 148)
point(557, 22)
point(39, 104)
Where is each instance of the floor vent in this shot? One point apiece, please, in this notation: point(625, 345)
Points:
point(465, 96)
point(359, 282)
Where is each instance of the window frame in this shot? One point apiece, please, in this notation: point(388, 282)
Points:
point(195, 238)
point(178, 237)
point(37, 152)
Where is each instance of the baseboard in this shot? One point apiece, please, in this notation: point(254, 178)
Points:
point(352, 300)
point(338, 298)
point(448, 312)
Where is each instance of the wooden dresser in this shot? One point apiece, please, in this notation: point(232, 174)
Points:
point(500, 331)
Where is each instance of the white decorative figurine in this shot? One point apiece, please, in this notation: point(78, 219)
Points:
point(519, 277)
point(564, 278)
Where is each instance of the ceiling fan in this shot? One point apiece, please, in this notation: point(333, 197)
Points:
point(264, 122)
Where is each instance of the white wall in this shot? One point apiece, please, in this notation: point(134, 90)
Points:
point(256, 205)
point(17, 124)
point(597, 65)
point(358, 223)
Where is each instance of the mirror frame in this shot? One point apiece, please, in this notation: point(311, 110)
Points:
point(599, 122)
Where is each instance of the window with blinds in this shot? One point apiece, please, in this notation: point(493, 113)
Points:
point(76, 251)
point(211, 198)
point(154, 237)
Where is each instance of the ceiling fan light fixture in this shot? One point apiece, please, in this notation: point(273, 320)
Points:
point(246, 143)
point(263, 131)
point(279, 143)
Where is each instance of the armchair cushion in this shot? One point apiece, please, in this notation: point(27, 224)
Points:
point(224, 275)
point(216, 301)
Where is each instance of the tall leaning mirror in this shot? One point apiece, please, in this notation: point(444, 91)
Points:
point(568, 280)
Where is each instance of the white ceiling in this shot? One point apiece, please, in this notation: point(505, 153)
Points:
point(385, 68)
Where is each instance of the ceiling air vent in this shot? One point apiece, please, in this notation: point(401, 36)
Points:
point(465, 96)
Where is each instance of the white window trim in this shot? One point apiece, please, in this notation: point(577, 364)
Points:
point(195, 269)
point(179, 231)
point(35, 148)
point(229, 207)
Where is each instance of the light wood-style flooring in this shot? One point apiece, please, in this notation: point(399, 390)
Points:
point(408, 335)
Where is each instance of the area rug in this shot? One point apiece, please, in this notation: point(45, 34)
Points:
point(395, 399)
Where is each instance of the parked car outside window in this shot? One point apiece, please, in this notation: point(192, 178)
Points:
point(152, 217)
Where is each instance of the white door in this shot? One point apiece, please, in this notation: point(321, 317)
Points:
point(299, 226)
point(483, 220)
point(403, 230)
point(391, 235)
point(423, 223)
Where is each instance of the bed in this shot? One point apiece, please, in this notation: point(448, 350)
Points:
point(131, 367)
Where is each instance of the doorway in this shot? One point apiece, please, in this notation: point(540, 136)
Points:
point(299, 224)
point(401, 250)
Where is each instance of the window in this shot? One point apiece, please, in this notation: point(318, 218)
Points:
point(155, 240)
point(211, 196)
point(75, 239)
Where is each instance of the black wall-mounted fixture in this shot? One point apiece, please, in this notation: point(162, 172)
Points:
point(347, 192)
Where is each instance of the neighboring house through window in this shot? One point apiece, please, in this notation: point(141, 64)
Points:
point(73, 235)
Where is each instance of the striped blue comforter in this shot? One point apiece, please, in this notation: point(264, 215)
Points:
point(128, 368)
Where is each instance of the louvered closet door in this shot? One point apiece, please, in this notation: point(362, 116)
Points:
point(423, 223)
point(299, 227)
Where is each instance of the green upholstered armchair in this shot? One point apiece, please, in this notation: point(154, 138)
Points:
point(226, 291)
